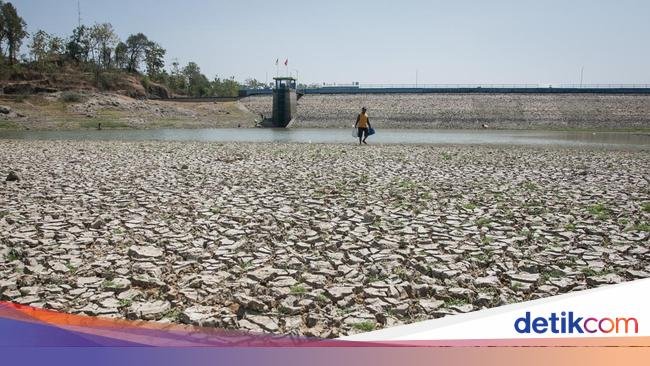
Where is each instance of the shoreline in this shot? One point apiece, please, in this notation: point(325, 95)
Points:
point(590, 113)
point(642, 130)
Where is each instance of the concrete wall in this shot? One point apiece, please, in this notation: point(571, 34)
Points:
point(471, 110)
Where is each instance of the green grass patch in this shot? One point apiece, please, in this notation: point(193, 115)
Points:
point(14, 254)
point(469, 206)
point(455, 302)
point(407, 184)
point(570, 227)
point(246, 264)
point(8, 125)
point(645, 207)
point(298, 289)
point(125, 303)
point(321, 299)
point(487, 240)
point(530, 186)
point(553, 273)
point(365, 326)
point(72, 97)
point(599, 210)
point(173, 314)
point(483, 221)
point(642, 226)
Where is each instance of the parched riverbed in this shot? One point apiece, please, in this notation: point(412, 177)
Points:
point(322, 240)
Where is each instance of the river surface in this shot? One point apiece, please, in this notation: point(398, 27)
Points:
point(383, 136)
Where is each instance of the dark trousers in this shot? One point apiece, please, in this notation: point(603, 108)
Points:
point(363, 132)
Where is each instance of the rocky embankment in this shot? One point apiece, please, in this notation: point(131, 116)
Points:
point(505, 111)
point(311, 239)
point(79, 110)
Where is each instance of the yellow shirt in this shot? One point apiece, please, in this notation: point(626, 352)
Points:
point(363, 120)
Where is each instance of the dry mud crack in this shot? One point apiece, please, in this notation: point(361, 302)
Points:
point(322, 240)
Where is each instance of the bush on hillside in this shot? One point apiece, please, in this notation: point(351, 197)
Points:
point(71, 97)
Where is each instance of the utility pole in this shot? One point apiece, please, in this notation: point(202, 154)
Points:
point(416, 78)
point(582, 69)
point(78, 13)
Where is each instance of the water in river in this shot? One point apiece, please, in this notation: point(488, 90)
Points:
point(387, 136)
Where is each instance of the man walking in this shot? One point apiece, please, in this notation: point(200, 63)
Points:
point(362, 125)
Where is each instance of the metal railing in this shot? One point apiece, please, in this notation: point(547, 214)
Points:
point(422, 86)
point(416, 88)
point(604, 86)
point(464, 86)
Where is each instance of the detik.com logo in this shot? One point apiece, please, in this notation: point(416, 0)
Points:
point(568, 323)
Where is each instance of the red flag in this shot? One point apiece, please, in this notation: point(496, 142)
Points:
point(286, 62)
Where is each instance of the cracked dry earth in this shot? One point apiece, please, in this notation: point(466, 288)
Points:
point(322, 240)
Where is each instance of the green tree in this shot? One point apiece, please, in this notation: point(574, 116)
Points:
point(3, 29)
point(154, 59)
point(253, 83)
point(177, 82)
point(14, 27)
point(39, 46)
point(55, 47)
point(136, 45)
point(197, 84)
point(103, 39)
point(121, 55)
point(78, 47)
point(225, 87)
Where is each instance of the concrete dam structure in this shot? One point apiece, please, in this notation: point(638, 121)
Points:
point(285, 104)
point(470, 110)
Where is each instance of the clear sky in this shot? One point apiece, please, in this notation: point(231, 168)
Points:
point(376, 41)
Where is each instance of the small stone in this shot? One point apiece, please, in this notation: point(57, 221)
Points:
point(265, 322)
point(117, 284)
point(198, 315)
point(98, 223)
point(146, 281)
point(488, 281)
point(339, 292)
point(83, 282)
point(251, 303)
point(525, 277)
point(607, 279)
point(154, 310)
point(12, 177)
point(146, 252)
point(429, 305)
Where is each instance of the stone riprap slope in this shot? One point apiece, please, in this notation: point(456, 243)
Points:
point(313, 239)
point(505, 111)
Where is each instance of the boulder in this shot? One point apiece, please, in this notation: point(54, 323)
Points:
point(157, 91)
